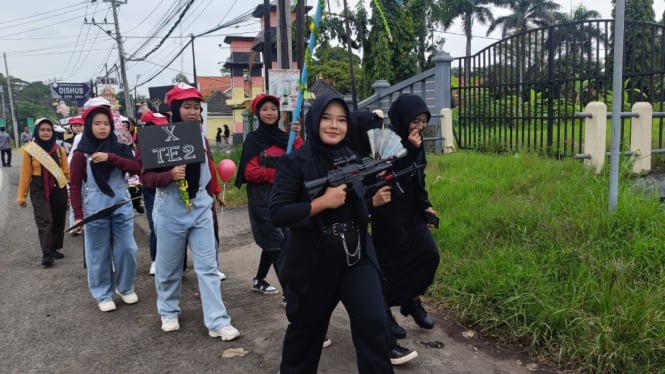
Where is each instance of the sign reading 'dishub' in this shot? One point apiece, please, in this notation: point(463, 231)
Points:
point(169, 145)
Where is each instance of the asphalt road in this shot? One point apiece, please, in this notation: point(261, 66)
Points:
point(49, 323)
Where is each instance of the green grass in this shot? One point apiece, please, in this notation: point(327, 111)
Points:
point(531, 255)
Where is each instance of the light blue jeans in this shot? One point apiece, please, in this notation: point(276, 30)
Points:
point(175, 229)
point(109, 240)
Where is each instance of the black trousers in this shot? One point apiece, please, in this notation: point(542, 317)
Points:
point(49, 215)
point(8, 160)
point(359, 289)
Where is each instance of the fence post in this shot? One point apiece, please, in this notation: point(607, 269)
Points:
point(640, 136)
point(447, 130)
point(595, 135)
point(379, 87)
point(442, 62)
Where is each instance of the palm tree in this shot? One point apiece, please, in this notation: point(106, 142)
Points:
point(447, 11)
point(525, 13)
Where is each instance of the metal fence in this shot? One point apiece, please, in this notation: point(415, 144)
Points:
point(522, 92)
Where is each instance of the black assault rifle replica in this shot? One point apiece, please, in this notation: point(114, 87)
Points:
point(355, 175)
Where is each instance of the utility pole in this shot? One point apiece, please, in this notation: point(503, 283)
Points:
point(300, 34)
point(193, 59)
point(267, 44)
point(283, 50)
point(11, 100)
point(129, 110)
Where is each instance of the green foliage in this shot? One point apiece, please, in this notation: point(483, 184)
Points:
point(332, 66)
point(530, 255)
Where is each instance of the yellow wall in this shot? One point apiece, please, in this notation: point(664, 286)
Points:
point(214, 123)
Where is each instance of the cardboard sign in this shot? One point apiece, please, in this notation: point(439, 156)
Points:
point(169, 145)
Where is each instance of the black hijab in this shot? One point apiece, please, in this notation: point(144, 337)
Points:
point(90, 144)
point(324, 154)
point(260, 139)
point(48, 145)
point(192, 172)
point(402, 111)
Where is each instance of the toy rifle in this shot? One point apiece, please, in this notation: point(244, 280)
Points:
point(392, 178)
point(351, 173)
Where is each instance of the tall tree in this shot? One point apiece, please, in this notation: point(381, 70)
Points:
point(467, 11)
point(389, 52)
point(525, 14)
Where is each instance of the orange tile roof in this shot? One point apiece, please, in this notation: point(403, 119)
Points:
point(208, 85)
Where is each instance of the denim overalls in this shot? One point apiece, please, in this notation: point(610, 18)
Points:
point(109, 241)
point(175, 228)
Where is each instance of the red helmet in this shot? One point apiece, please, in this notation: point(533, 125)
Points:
point(260, 98)
point(76, 120)
point(102, 108)
point(154, 118)
point(183, 91)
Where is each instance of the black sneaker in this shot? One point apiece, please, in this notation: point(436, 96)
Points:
point(57, 255)
point(400, 355)
point(47, 260)
point(418, 313)
point(260, 285)
point(396, 329)
point(140, 209)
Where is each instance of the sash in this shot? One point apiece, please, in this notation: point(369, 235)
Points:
point(47, 162)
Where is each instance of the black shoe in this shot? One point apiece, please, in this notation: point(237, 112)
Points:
point(47, 260)
point(418, 313)
point(140, 209)
point(57, 255)
point(396, 329)
point(400, 355)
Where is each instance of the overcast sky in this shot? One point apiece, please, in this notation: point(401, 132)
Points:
point(46, 40)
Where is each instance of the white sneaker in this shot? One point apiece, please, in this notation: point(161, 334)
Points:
point(130, 298)
point(170, 324)
point(106, 306)
point(222, 276)
point(226, 333)
point(327, 342)
point(153, 267)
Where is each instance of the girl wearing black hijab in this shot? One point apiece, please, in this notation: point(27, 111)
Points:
point(99, 165)
point(328, 256)
point(260, 152)
point(44, 173)
point(408, 255)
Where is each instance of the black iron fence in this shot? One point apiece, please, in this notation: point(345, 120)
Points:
point(522, 92)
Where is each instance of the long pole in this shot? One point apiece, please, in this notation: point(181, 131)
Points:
point(617, 86)
point(267, 43)
point(193, 59)
point(303, 75)
point(125, 83)
point(11, 100)
point(354, 96)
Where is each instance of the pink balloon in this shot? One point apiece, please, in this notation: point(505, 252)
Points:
point(226, 169)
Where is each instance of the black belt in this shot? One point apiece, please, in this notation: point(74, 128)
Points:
point(339, 228)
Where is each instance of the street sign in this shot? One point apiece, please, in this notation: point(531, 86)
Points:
point(70, 90)
point(107, 80)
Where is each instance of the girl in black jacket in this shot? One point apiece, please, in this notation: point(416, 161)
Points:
point(328, 254)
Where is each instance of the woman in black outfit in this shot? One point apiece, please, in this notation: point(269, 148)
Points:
point(408, 256)
point(328, 255)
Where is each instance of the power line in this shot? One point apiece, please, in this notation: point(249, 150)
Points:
point(40, 14)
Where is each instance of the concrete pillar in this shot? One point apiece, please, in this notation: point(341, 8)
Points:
point(447, 135)
point(595, 135)
point(640, 136)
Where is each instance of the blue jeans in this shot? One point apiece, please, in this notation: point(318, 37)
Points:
point(109, 240)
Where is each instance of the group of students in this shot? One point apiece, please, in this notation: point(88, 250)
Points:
point(97, 180)
point(320, 247)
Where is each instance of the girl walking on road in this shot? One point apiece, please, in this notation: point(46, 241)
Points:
point(99, 165)
point(45, 173)
point(260, 152)
point(328, 255)
point(176, 226)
